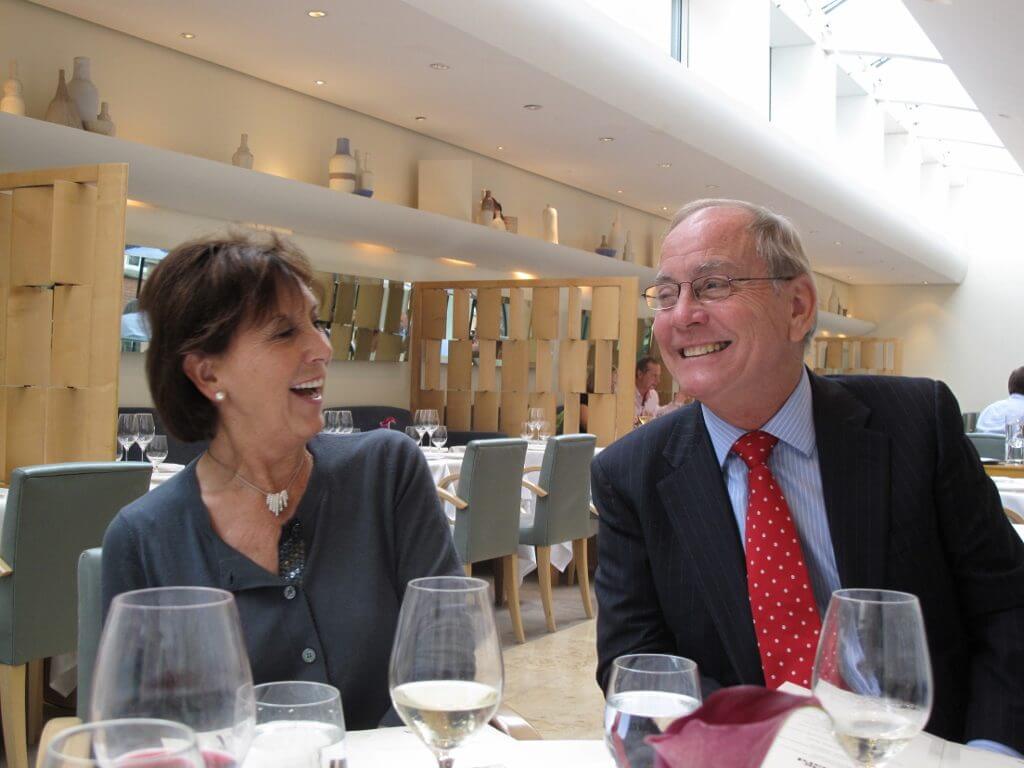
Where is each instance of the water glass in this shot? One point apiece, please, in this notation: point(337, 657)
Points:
point(646, 693)
point(298, 725)
point(344, 423)
point(156, 452)
point(446, 675)
point(526, 430)
point(139, 743)
point(146, 429)
point(177, 653)
point(330, 422)
point(873, 673)
point(543, 430)
point(1014, 429)
point(439, 437)
point(419, 424)
point(127, 432)
point(413, 433)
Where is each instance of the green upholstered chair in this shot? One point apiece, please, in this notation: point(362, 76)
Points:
point(563, 513)
point(487, 502)
point(53, 512)
point(90, 622)
point(988, 445)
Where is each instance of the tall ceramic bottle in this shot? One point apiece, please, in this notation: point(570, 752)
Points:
point(12, 102)
point(485, 214)
point(82, 90)
point(615, 241)
point(364, 176)
point(243, 157)
point(550, 217)
point(62, 109)
point(342, 168)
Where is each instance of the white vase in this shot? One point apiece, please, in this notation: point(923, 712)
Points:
point(615, 236)
point(342, 168)
point(498, 223)
point(550, 217)
point(627, 246)
point(833, 301)
point(102, 124)
point(62, 109)
point(82, 90)
point(12, 102)
point(485, 211)
point(243, 156)
point(364, 176)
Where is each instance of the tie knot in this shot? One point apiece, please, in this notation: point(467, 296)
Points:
point(755, 447)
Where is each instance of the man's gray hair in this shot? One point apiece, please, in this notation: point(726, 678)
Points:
point(776, 240)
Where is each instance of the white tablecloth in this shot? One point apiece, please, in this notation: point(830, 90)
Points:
point(1011, 492)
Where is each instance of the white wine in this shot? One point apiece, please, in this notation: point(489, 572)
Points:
point(445, 712)
point(631, 716)
point(873, 741)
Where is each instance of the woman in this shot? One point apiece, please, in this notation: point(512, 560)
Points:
point(316, 536)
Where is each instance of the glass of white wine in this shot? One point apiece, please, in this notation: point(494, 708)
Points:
point(446, 674)
point(646, 693)
point(299, 724)
point(873, 674)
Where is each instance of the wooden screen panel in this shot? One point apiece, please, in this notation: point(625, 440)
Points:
point(574, 326)
point(431, 365)
point(572, 365)
point(393, 307)
point(363, 343)
point(869, 354)
point(604, 315)
point(32, 236)
point(488, 313)
point(26, 430)
point(434, 399)
point(547, 401)
point(514, 407)
point(601, 417)
point(108, 279)
point(389, 347)
point(834, 353)
point(98, 413)
point(323, 290)
point(72, 316)
point(485, 411)
point(604, 355)
point(487, 367)
point(345, 305)
point(460, 313)
point(29, 318)
point(369, 301)
point(460, 366)
point(434, 313)
point(6, 204)
point(515, 366)
point(341, 339)
point(518, 319)
point(544, 372)
point(64, 407)
point(459, 410)
point(570, 413)
point(544, 316)
point(74, 232)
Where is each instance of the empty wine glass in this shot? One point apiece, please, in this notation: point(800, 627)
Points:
point(345, 422)
point(138, 743)
point(446, 674)
point(646, 692)
point(439, 437)
point(536, 417)
point(157, 451)
point(431, 421)
point(298, 725)
point(419, 424)
point(413, 434)
point(330, 422)
point(177, 653)
point(127, 432)
point(872, 673)
point(543, 430)
point(526, 430)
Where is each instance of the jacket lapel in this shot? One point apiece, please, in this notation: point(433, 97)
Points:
point(694, 496)
point(855, 478)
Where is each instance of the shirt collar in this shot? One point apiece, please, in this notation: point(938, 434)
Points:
point(792, 424)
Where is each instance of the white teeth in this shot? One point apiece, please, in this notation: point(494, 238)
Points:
point(704, 349)
point(314, 384)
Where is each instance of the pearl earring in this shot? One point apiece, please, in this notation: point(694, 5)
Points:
point(220, 396)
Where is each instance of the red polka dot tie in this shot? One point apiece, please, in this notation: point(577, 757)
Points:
point(785, 616)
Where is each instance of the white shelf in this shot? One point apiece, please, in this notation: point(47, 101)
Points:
point(211, 189)
point(837, 325)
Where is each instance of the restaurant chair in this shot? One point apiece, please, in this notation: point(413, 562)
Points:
point(1013, 517)
point(90, 622)
point(970, 420)
point(487, 508)
point(563, 513)
point(988, 445)
point(53, 512)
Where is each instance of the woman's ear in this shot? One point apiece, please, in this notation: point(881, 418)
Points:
point(202, 371)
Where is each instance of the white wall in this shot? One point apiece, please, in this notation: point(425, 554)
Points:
point(803, 90)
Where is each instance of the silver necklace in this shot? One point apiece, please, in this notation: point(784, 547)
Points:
point(276, 501)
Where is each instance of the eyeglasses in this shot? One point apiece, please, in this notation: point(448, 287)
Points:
point(704, 289)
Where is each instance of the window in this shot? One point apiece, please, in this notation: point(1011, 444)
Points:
point(659, 22)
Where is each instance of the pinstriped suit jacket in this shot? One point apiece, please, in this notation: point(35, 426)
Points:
point(909, 507)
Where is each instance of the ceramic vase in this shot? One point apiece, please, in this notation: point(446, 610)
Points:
point(364, 176)
point(102, 124)
point(342, 168)
point(833, 301)
point(604, 249)
point(82, 90)
point(615, 241)
point(62, 109)
point(12, 102)
point(550, 217)
point(243, 156)
point(498, 222)
point(485, 213)
point(627, 246)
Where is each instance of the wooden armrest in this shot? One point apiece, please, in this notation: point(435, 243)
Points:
point(451, 498)
point(446, 481)
point(1014, 518)
point(534, 487)
point(54, 728)
point(528, 470)
point(593, 510)
point(5, 569)
point(511, 723)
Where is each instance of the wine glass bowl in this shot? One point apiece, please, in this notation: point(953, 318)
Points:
point(136, 742)
point(872, 672)
point(145, 430)
point(299, 724)
point(127, 432)
point(439, 437)
point(344, 422)
point(156, 451)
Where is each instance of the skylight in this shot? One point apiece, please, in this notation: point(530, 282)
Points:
point(650, 19)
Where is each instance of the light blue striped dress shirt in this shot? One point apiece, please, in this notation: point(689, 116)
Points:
point(794, 463)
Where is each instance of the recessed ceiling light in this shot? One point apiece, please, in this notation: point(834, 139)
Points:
point(1004, 115)
point(420, 118)
point(619, 191)
point(188, 35)
point(500, 148)
point(319, 82)
point(316, 14)
point(664, 165)
point(838, 242)
point(710, 186)
point(456, 262)
point(664, 207)
point(606, 138)
point(533, 107)
point(439, 65)
point(926, 282)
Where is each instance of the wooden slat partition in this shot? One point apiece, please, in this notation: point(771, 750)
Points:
point(527, 350)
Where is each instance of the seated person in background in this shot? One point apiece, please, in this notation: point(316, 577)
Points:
point(648, 377)
point(678, 401)
point(585, 397)
point(864, 481)
point(316, 535)
point(994, 417)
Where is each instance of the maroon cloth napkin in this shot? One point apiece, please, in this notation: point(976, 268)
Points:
point(733, 729)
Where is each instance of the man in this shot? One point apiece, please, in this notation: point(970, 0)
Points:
point(994, 417)
point(859, 481)
point(648, 377)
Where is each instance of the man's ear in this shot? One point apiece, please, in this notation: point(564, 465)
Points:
point(202, 371)
point(804, 306)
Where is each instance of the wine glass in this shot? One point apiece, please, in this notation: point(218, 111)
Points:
point(431, 420)
point(156, 452)
point(646, 692)
point(145, 428)
point(127, 432)
point(345, 422)
point(177, 653)
point(543, 430)
point(330, 422)
point(536, 418)
point(872, 672)
point(298, 725)
point(413, 434)
point(419, 424)
point(138, 743)
point(446, 674)
point(439, 437)
point(526, 430)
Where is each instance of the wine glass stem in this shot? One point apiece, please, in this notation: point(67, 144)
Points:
point(444, 760)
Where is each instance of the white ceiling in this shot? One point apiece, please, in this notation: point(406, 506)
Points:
point(375, 57)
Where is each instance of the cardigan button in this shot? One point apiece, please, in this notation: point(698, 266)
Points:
point(309, 655)
point(289, 592)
